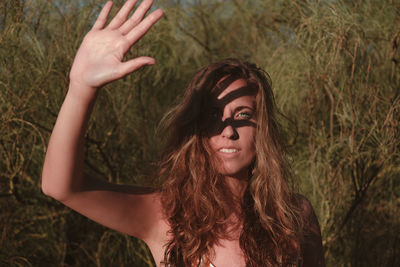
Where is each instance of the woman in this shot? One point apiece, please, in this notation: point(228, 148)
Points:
point(224, 197)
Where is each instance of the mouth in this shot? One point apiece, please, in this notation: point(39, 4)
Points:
point(228, 150)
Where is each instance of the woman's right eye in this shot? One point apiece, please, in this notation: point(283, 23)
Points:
point(215, 114)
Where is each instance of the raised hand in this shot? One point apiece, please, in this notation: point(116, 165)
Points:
point(99, 58)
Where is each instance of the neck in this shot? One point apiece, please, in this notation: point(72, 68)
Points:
point(236, 187)
point(234, 195)
point(235, 192)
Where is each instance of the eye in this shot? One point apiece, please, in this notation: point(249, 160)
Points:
point(244, 115)
point(215, 113)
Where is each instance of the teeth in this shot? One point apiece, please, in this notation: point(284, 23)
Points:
point(228, 150)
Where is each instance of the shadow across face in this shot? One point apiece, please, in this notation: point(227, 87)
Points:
point(214, 122)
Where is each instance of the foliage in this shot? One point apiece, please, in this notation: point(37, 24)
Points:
point(336, 73)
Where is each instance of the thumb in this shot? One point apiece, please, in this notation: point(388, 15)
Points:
point(134, 64)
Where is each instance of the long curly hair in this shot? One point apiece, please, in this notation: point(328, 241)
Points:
point(194, 194)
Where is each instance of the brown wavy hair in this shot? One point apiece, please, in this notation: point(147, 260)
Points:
point(194, 194)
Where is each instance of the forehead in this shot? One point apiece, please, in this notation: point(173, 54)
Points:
point(235, 92)
point(240, 83)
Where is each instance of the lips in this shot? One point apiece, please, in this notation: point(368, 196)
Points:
point(227, 154)
point(228, 150)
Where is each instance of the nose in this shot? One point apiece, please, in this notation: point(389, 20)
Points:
point(229, 132)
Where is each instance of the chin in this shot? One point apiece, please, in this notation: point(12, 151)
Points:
point(234, 172)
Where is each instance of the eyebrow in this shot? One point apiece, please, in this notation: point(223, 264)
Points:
point(242, 107)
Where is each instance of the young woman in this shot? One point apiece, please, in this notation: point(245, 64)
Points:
point(224, 199)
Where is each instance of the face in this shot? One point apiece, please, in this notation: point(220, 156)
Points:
point(232, 129)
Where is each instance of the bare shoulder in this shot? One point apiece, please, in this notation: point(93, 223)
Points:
point(312, 250)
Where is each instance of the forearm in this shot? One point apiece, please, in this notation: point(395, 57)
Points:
point(63, 167)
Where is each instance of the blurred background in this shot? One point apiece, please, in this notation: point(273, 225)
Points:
point(335, 67)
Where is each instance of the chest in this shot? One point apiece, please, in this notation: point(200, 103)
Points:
point(228, 254)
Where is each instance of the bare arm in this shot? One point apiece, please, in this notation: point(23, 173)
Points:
point(99, 61)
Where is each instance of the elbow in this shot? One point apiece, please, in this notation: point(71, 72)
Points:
point(45, 184)
point(52, 189)
point(56, 194)
point(49, 190)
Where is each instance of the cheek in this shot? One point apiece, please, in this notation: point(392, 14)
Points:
point(249, 138)
point(211, 142)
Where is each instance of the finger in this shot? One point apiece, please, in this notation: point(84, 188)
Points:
point(133, 65)
point(102, 18)
point(141, 29)
point(122, 14)
point(137, 17)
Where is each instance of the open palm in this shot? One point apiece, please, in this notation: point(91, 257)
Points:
point(99, 58)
